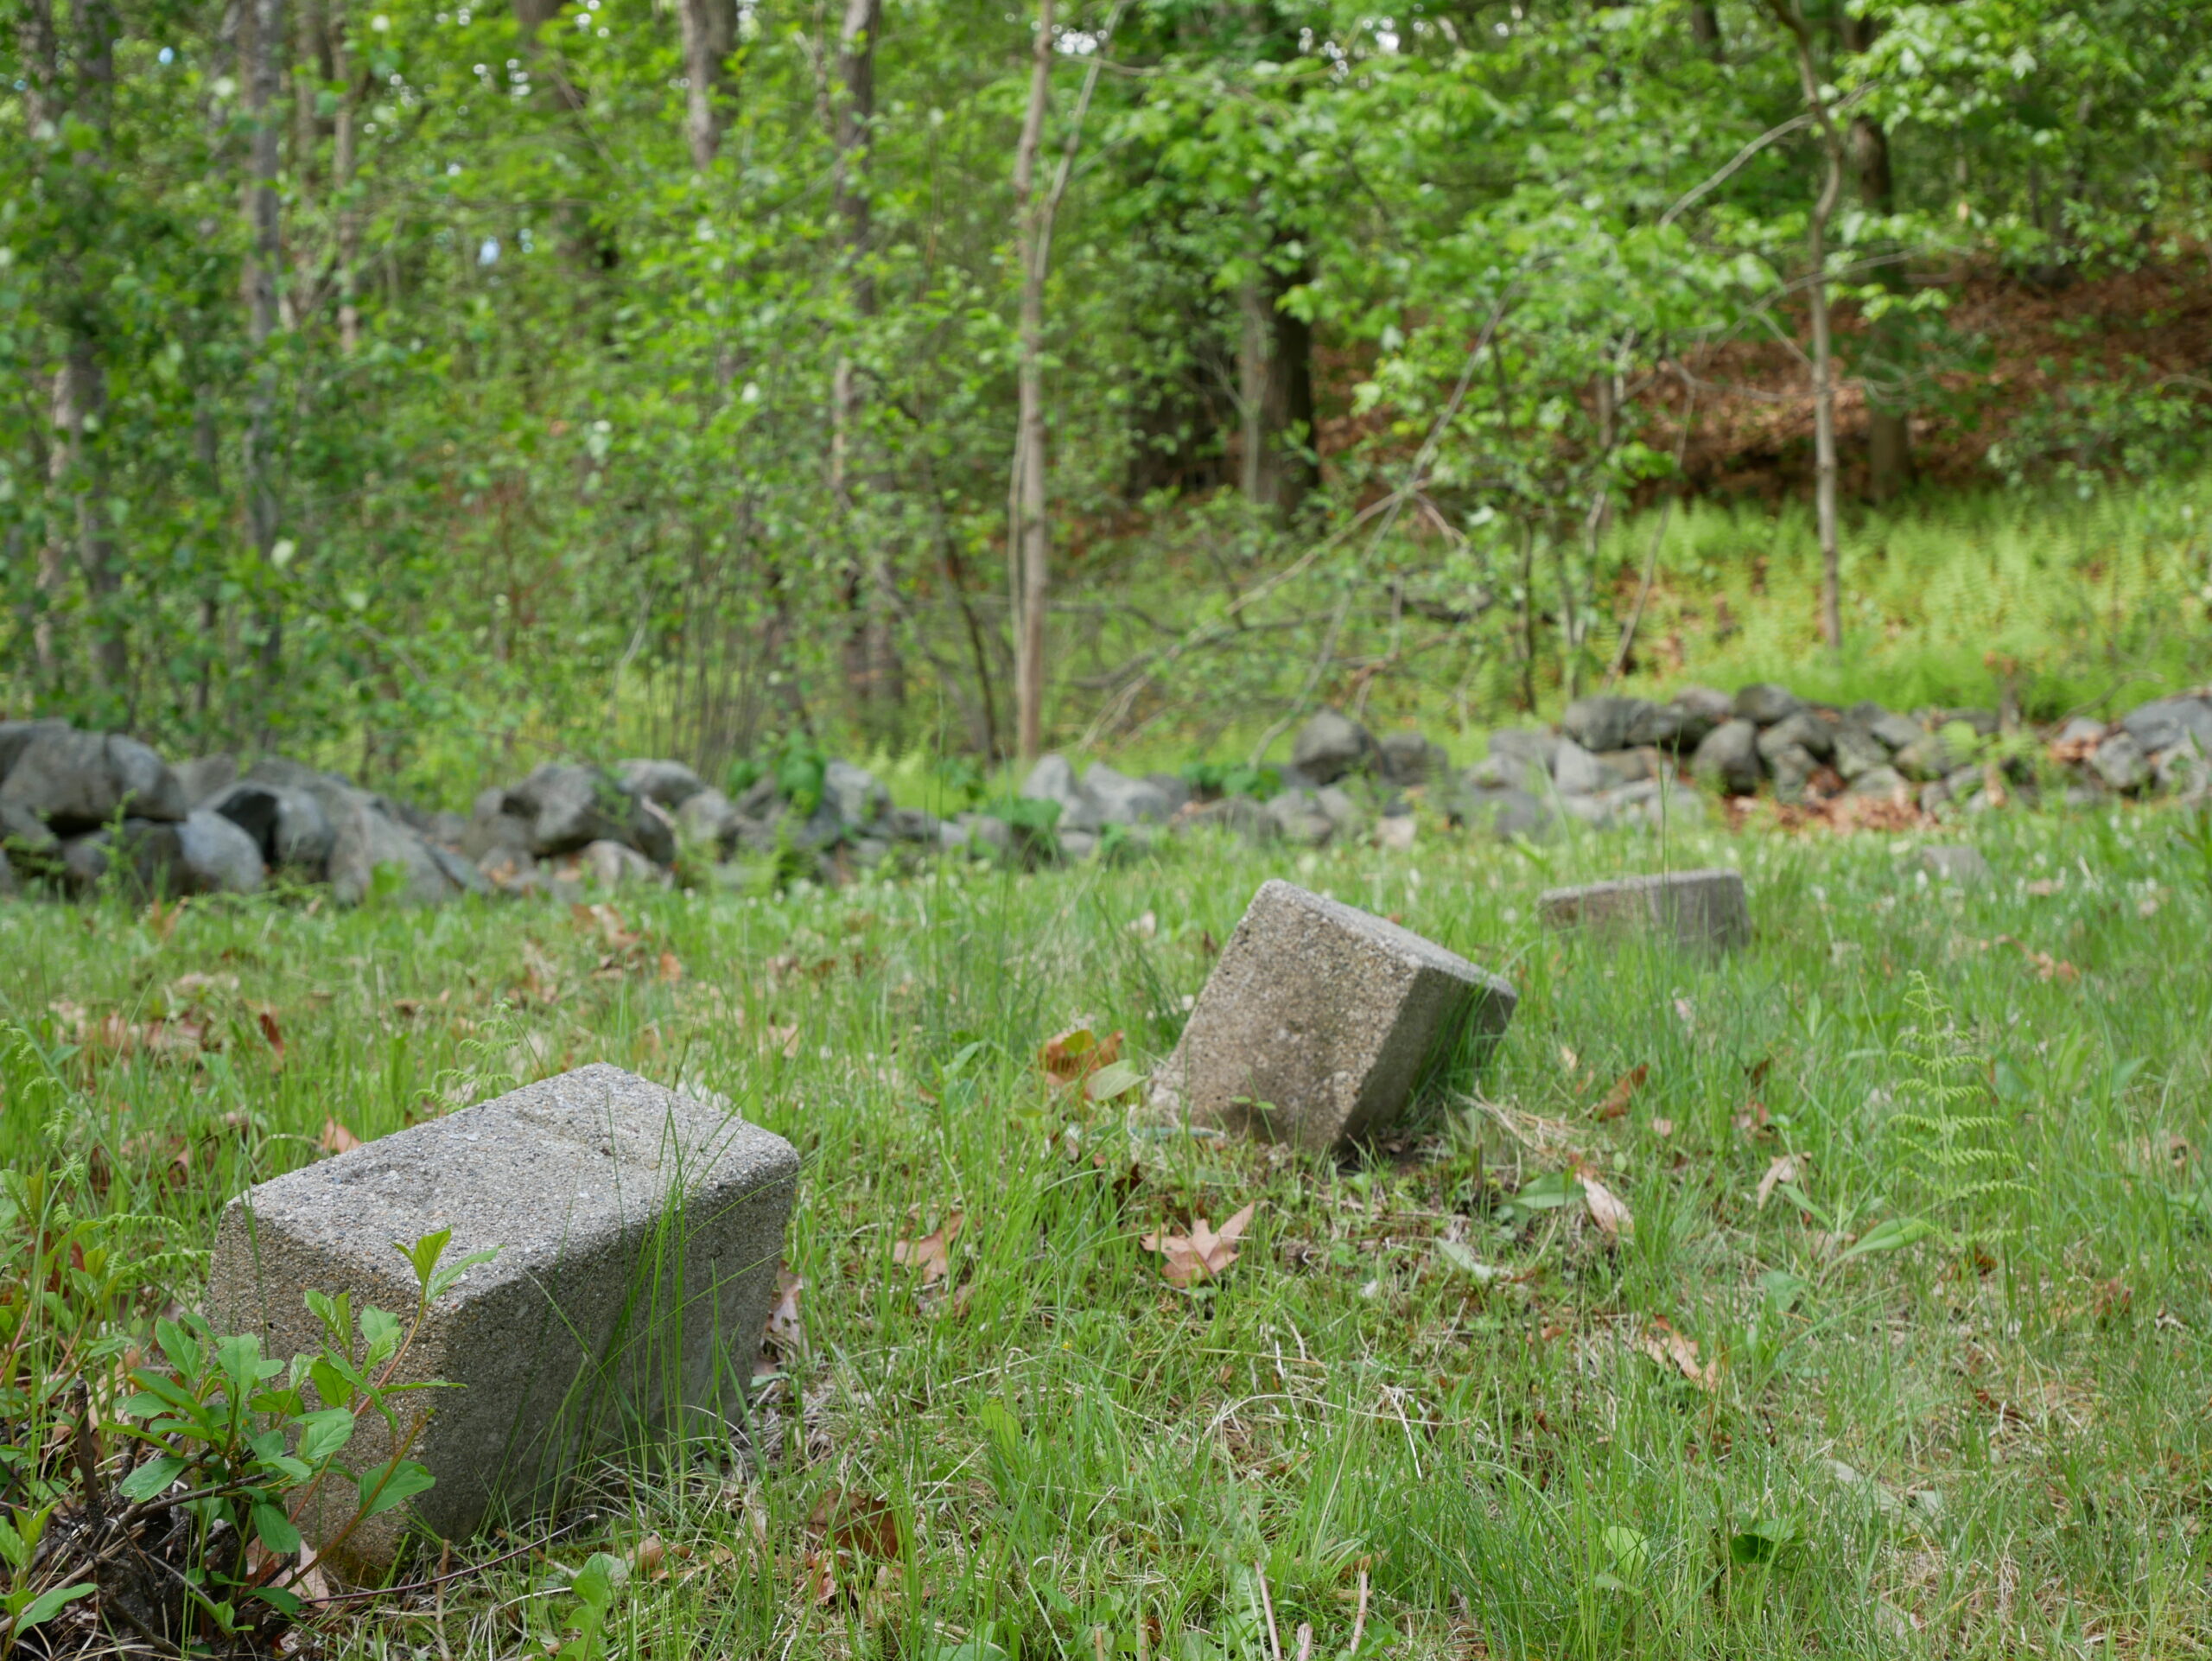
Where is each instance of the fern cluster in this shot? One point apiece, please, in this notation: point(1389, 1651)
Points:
point(1963, 1158)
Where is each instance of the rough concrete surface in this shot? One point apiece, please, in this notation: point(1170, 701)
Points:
point(638, 1234)
point(1320, 1022)
point(1702, 910)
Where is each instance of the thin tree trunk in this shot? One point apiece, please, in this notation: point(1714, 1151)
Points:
point(263, 270)
point(1276, 374)
point(344, 163)
point(1786, 12)
point(1888, 431)
point(1705, 29)
point(709, 35)
point(1030, 531)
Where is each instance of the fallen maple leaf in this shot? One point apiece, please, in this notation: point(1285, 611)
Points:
point(1607, 1209)
point(855, 1522)
point(337, 1139)
point(1625, 1087)
point(1077, 1052)
point(1670, 1348)
point(1204, 1253)
point(1782, 1169)
point(932, 1253)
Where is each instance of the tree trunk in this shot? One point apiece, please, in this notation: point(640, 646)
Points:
point(1888, 412)
point(874, 677)
point(1275, 367)
point(710, 35)
point(344, 161)
point(263, 268)
point(1030, 532)
point(1787, 13)
point(1705, 29)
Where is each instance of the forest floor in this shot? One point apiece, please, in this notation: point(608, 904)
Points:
point(1805, 1361)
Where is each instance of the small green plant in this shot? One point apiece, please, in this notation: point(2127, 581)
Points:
point(585, 1631)
point(1961, 1162)
point(800, 768)
point(215, 1457)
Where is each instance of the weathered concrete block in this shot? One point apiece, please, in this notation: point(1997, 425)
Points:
point(1321, 1022)
point(1702, 910)
point(1960, 864)
point(639, 1233)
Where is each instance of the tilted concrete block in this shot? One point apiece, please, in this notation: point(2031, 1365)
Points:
point(1321, 1022)
point(1703, 911)
point(638, 1235)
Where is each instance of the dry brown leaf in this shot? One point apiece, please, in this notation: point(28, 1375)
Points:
point(1205, 1253)
point(1624, 1088)
point(1077, 1052)
point(1672, 1349)
point(1752, 1121)
point(1781, 1169)
point(337, 1139)
point(2046, 966)
point(785, 1330)
point(932, 1253)
point(1662, 1126)
point(272, 1032)
point(782, 1038)
point(672, 967)
point(851, 1521)
point(1607, 1209)
point(162, 917)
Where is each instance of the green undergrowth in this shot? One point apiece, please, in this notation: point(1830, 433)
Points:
point(1899, 1350)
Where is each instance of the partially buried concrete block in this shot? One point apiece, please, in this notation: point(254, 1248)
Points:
point(638, 1234)
point(1702, 910)
point(1963, 865)
point(1321, 1022)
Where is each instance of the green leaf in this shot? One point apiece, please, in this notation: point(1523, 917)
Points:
point(323, 1433)
point(46, 1605)
point(595, 1582)
point(425, 1252)
point(178, 1344)
point(393, 1483)
point(334, 1379)
point(152, 1478)
point(11, 1545)
point(1548, 1192)
point(445, 1279)
point(1630, 1551)
point(1762, 1542)
point(275, 1529)
point(1110, 1082)
point(381, 1332)
point(1888, 1235)
point(277, 1598)
point(1464, 1259)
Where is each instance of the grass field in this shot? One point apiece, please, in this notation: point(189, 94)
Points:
point(1434, 1403)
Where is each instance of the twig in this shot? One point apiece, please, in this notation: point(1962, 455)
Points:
point(336, 1598)
point(1267, 1603)
point(1359, 1618)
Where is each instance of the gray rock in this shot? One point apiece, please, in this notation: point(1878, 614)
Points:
point(1299, 818)
point(25, 839)
point(1984, 721)
point(1124, 800)
point(1332, 744)
point(1053, 780)
point(1804, 730)
point(1075, 845)
point(995, 835)
point(638, 1233)
point(365, 839)
point(1895, 731)
point(289, 827)
point(1707, 704)
point(1703, 911)
point(206, 778)
point(1632, 767)
point(1595, 811)
point(1604, 724)
point(610, 864)
point(1962, 785)
point(1578, 772)
point(1174, 789)
point(1237, 815)
point(1882, 783)
point(9, 888)
point(760, 800)
point(1320, 1024)
point(1728, 759)
point(79, 781)
point(216, 855)
point(1345, 817)
point(1502, 810)
point(2120, 763)
point(707, 818)
point(2162, 725)
point(1762, 703)
point(1525, 759)
point(569, 807)
point(142, 856)
point(1667, 726)
point(913, 825)
point(2179, 767)
point(1409, 759)
point(2079, 729)
point(670, 783)
point(1961, 865)
point(1930, 757)
point(15, 737)
point(1857, 751)
point(1655, 803)
point(1791, 767)
point(856, 795)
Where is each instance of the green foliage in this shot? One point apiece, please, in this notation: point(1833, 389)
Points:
point(1954, 1163)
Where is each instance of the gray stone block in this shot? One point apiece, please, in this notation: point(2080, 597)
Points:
point(1728, 759)
point(1763, 703)
point(1332, 744)
point(1320, 1023)
point(1698, 910)
point(639, 1233)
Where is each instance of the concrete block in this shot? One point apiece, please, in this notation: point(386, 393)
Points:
point(1320, 1023)
point(1700, 910)
point(639, 1233)
point(1960, 864)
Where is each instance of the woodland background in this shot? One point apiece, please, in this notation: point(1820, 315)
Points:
point(416, 383)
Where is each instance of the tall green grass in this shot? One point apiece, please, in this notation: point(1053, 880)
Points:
point(1988, 1443)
